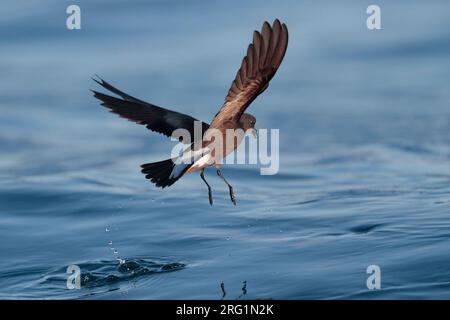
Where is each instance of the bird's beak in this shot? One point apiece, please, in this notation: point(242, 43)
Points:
point(255, 133)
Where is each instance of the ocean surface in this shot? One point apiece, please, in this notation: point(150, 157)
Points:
point(364, 179)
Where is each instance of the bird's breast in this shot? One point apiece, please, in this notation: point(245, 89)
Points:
point(225, 143)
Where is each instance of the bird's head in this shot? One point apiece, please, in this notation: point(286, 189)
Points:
point(248, 123)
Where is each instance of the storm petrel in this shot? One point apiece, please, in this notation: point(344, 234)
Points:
point(264, 56)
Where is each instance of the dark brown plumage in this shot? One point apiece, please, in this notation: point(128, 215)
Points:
point(263, 58)
point(155, 118)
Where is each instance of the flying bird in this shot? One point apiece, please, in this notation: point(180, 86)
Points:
point(263, 58)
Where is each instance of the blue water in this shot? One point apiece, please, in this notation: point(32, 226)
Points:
point(364, 177)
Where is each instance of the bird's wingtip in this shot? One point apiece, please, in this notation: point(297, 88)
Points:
point(96, 93)
point(99, 80)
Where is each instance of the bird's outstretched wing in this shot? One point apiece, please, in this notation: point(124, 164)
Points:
point(264, 56)
point(153, 117)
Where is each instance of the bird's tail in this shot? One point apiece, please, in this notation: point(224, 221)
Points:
point(165, 173)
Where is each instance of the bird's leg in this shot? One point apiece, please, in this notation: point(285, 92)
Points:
point(202, 175)
point(233, 198)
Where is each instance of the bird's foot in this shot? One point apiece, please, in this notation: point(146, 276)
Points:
point(232, 196)
point(210, 197)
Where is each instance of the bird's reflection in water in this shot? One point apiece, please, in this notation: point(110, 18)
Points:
point(244, 290)
point(224, 293)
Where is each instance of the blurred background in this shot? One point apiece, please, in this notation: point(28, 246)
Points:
point(364, 177)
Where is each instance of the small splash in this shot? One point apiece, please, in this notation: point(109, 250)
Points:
point(99, 274)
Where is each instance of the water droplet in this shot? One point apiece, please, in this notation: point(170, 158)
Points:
point(110, 243)
point(228, 238)
point(116, 252)
point(107, 229)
